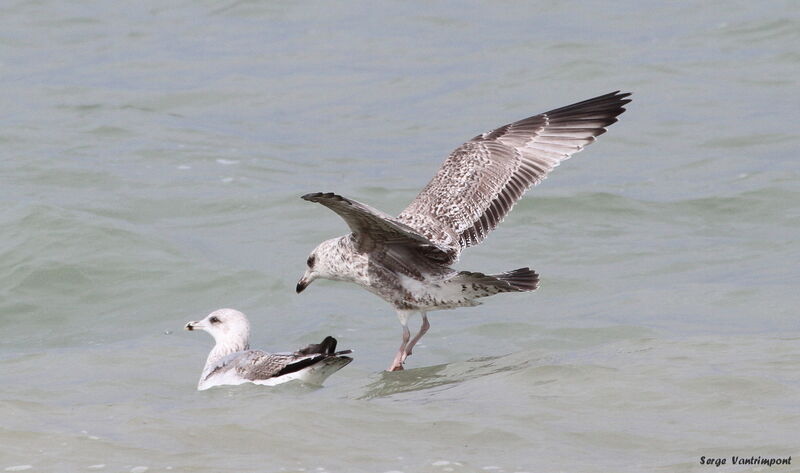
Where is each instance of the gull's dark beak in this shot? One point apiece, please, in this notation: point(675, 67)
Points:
point(190, 326)
point(302, 284)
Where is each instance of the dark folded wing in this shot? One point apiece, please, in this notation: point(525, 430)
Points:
point(482, 179)
point(372, 228)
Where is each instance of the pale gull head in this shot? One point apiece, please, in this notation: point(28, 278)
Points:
point(229, 327)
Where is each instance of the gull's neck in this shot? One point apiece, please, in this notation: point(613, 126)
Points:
point(224, 348)
point(346, 263)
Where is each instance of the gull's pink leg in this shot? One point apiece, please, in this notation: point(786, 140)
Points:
point(397, 364)
point(422, 331)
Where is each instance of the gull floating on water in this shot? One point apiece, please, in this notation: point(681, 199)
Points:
point(406, 260)
point(231, 361)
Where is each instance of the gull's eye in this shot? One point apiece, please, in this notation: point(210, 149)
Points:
point(310, 261)
point(214, 320)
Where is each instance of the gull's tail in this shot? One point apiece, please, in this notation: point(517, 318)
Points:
point(482, 285)
point(522, 279)
point(319, 368)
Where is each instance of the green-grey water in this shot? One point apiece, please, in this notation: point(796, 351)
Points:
point(152, 155)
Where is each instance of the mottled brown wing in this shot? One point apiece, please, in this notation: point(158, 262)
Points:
point(373, 228)
point(482, 179)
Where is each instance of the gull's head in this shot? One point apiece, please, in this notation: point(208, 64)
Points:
point(323, 263)
point(227, 326)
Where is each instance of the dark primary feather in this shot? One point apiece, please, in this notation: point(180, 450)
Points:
point(299, 363)
point(326, 347)
point(482, 179)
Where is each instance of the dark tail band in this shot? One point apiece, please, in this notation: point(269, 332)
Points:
point(522, 279)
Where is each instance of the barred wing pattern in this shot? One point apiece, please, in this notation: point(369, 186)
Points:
point(482, 179)
point(373, 228)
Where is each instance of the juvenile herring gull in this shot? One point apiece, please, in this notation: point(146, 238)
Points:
point(406, 260)
point(231, 361)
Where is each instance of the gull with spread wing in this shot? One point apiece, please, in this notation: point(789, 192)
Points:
point(406, 260)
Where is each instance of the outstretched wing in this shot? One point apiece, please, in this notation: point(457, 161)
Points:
point(372, 228)
point(482, 179)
